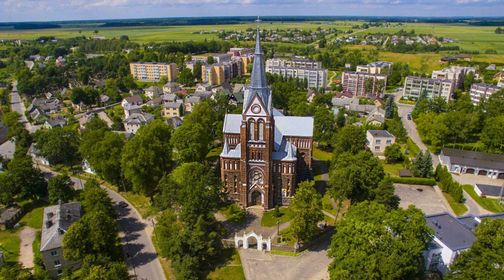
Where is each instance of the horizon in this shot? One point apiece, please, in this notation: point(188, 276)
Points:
point(93, 10)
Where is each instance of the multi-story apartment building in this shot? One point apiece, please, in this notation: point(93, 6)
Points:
point(364, 84)
point(220, 73)
point(414, 87)
point(153, 71)
point(303, 69)
point(455, 73)
point(482, 91)
point(378, 67)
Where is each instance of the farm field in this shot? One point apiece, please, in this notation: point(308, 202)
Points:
point(146, 34)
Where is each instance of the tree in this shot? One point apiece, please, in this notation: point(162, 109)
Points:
point(59, 188)
point(349, 139)
point(355, 176)
point(393, 153)
point(109, 271)
point(22, 178)
point(389, 107)
point(323, 127)
point(147, 157)
point(191, 142)
point(384, 194)
point(59, 145)
point(494, 106)
point(210, 60)
point(94, 198)
point(492, 135)
point(340, 118)
point(484, 260)
point(87, 95)
point(307, 211)
point(422, 165)
point(468, 81)
point(186, 77)
point(15, 272)
point(373, 243)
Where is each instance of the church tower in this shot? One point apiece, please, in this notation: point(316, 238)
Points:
point(257, 137)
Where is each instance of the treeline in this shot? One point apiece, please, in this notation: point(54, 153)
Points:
point(418, 47)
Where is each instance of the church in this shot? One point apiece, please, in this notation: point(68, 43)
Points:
point(265, 153)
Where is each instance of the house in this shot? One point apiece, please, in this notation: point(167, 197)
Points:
point(170, 87)
point(10, 216)
point(190, 101)
point(153, 92)
point(56, 221)
point(482, 91)
point(169, 97)
point(86, 167)
point(364, 84)
point(85, 118)
point(45, 105)
point(55, 122)
point(104, 99)
point(376, 117)
point(378, 140)
point(172, 109)
point(174, 122)
point(472, 162)
point(7, 149)
point(136, 120)
point(34, 153)
point(131, 104)
point(489, 191)
point(378, 67)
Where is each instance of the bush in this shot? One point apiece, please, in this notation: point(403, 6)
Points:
point(448, 185)
point(414, 181)
point(393, 153)
point(234, 213)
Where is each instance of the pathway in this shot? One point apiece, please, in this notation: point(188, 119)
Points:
point(27, 236)
point(474, 208)
point(18, 106)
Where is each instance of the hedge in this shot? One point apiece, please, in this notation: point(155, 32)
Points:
point(414, 181)
point(448, 185)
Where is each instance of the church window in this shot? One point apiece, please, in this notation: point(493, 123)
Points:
point(252, 130)
point(261, 131)
point(235, 184)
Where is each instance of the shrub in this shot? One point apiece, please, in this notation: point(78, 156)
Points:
point(234, 213)
point(414, 181)
point(447, 184)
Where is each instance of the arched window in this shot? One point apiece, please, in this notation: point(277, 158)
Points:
point(251, 130)
point(261, 130)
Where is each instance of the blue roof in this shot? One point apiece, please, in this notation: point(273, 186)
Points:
point(450, 231)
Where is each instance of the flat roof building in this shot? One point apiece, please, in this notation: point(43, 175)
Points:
point(153, 71)
point(480, 92)
point(472, 162)
point(378, 67)
point(303, 69)
point(364, 84)
point(414, 87)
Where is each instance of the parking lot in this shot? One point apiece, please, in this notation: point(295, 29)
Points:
point(423, 197)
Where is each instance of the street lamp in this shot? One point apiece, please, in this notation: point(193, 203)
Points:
point(278, 229)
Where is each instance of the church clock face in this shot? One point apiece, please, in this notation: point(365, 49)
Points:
point(256, 109)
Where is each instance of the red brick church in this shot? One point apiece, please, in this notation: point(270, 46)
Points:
point(265, 153)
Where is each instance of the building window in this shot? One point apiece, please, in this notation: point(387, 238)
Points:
point(57, 263)
point(389, 141)
point(261, 131)
point(378, 141)
point(54, 253)
point(252, 130)
point(377, 148)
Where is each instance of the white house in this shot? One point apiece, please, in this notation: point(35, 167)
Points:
point(378, 140)
point(136, 120)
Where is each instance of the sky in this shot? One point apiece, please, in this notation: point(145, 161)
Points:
point(48, 10)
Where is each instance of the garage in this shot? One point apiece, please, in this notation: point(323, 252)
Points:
point(482, 172)
point(470, 171)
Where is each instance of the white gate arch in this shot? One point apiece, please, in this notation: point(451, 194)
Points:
point(260, 241)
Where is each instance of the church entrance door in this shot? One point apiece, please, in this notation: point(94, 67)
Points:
point(256, 198)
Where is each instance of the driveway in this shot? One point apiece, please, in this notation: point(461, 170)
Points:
point(138, 249)
point(310, 265)
point(426, 198)
point(27, 236)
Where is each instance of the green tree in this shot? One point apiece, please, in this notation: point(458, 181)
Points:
point(422, 165)
point(349, 139)
point(147, 157)
point(340, 118)
point(494, 106)
point(484, 260)
point(468, 81)
point(22, 178)
point(59, 145)
point(393, 153)
point(186, 77)
point(374, 243)
point(93, 198)
point(59, 188)
point(191, 142)
point(323, 128)
point(15, 272)
point(492, 135)
point(307, 211)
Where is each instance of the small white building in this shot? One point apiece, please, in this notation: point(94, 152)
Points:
point(153, 92)
point(137, 120)
point(378, 140)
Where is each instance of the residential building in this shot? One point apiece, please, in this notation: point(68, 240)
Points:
point(153, 92)
point(472, 162)
point(136, 120)
point(153, 71)
point(56, 221)
point(378, 140)
point(378, 67)
point(34, 153)
point(303, 69)
point(10, 216)
point(456, 74)
point(58, 121)
point(220, 73)
point(414, 87)
point(265, 153)
point(489, 191)
point(364, 84)
point(480, 92)
point(190, 101)
point(172, 109)
point(131, 104)
point(45, 105)
point(171, 87)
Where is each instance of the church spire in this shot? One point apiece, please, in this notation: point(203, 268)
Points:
point(258, 72)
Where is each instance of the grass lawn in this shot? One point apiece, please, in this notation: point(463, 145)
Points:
point(34, 217)
point(489, 204)
point(458, 208)
point(392, 168)
point(321, 155)
point(413, 149)
point(285, 253)
point(269, 220)
point(9, 244)
point(327, 205)
point(231, 270)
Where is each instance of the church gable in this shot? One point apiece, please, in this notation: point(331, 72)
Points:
point(256, 108)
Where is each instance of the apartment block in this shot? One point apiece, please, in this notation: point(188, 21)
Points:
point(415, 86)
point(220, 73)
point(455, 73)
point(303, 69)
point(363, 84)
point(378, 67)
point(153, 71)
point(482, 91)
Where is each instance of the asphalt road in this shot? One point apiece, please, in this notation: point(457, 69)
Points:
point(18, 106)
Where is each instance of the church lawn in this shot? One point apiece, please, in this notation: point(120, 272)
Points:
point(489, 204)
point(231, 270)
point(321, 155)
point(9, 244)
point(458, 208)
point(269, 219)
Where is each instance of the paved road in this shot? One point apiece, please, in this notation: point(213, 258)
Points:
point(18, 106)
point(138, 249)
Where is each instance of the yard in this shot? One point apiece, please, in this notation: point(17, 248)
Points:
point(269, 219)
point(489, 204)
point(9, 244)
point(231, 270)
point(458, 208)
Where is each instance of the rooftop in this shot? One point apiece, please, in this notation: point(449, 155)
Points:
point(57, 220)
point(450, 231)
point(380, 133)
point(489, 190)
point(472, 158)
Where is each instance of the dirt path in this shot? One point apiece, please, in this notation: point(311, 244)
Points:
point(27, 236)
